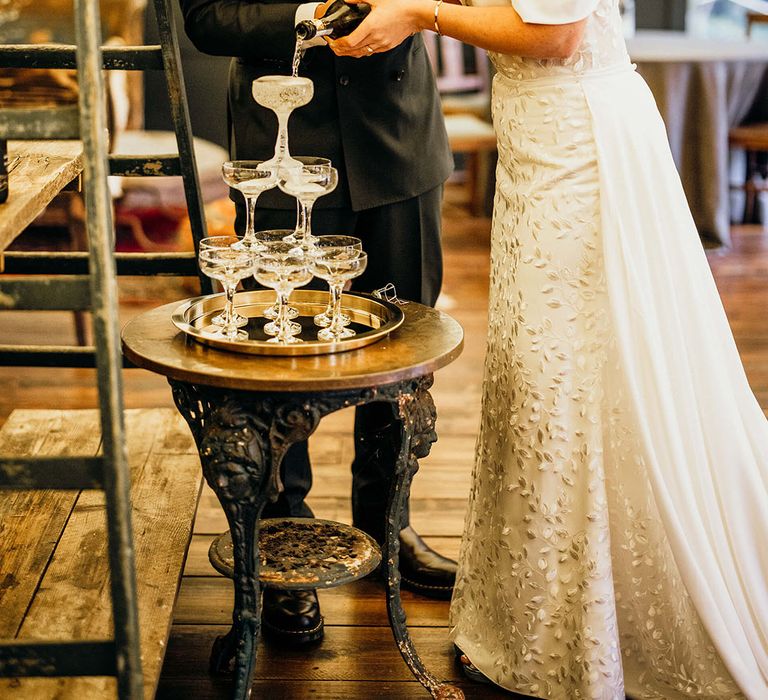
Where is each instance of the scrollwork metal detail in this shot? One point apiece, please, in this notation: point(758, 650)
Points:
point(242, 437)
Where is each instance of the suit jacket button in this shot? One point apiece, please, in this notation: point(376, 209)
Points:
point(344, 80)
point(399, 75)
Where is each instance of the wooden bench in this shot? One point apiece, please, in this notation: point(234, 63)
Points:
point(53, 546)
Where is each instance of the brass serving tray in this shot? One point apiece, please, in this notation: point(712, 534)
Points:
point(372, 319)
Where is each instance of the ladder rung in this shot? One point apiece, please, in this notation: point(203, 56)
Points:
point(21, 473)
point(65, 56)
point(144, 166)
point(39, 123)
point(51, 356)
point(38, 659)
point(49, 294)
point(129, 264)
point(177, 264)
point(47, 356)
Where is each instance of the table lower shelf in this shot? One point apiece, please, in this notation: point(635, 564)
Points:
point(301, 553)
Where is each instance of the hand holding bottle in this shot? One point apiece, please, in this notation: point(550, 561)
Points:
point(333, 19)
point(389, 23)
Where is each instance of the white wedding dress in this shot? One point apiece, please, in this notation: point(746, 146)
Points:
point(617, 534)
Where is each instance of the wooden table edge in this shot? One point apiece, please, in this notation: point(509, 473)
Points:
point(295, 384)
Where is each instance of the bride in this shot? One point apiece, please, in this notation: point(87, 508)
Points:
point(617, 534)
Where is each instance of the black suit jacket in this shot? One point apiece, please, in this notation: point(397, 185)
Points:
point(378, 118)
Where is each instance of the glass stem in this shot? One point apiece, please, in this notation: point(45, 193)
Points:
point(329, 309)
point(336, 322)
point(282, 320)
point(308, 219)
point(229, 307)
point(301, 223)
point(281, 145)
point(250, 210)
point(299, 219)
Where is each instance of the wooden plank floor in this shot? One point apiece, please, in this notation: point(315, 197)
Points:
point(57, 538)
point(357, 658)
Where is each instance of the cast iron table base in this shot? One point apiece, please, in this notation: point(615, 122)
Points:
point(242, 437)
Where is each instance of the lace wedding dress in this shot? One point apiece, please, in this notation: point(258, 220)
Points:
point(617, 535)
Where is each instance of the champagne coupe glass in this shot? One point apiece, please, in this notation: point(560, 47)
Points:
point(223, 242)
point(307, 160)
point(331, 247)
point(282, 94)
point(283, 271)
point(268, 239)
point(336, 272)
point(307, 183)
point(251, 178)
point(279, 249)
point(228, 266)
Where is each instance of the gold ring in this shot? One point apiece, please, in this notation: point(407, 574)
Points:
point(369, 49)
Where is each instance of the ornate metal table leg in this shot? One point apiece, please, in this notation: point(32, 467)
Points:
point(239, 464)
point(416, 410)
point(242, 437)
point(235, 652)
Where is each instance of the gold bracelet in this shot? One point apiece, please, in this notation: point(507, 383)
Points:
point(437, 12)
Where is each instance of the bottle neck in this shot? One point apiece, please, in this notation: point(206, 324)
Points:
point(310, 28)
point(324, 26)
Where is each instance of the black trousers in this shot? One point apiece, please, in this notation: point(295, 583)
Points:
point(403, 245)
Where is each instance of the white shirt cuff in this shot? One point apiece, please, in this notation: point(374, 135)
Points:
point(307, 11)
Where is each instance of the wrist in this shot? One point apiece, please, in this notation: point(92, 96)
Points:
point(423, 14)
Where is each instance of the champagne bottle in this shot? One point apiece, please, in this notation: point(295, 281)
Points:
point(3, 170)
point(339, 20)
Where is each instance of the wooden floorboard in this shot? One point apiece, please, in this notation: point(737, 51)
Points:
point(58, 539)
point(358, 658)
point(208, 600)
point(350, 657)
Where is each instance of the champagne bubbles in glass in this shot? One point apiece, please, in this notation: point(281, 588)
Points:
point(282, 94)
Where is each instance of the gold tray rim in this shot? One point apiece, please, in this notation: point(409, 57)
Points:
point(391, 317)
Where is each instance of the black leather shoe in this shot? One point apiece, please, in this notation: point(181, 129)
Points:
point(422, 569)
point(291, 618)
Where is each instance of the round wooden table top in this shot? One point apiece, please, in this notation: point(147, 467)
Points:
point(426, 341)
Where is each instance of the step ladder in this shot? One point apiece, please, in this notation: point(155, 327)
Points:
point(94, 289)
point(165, 57)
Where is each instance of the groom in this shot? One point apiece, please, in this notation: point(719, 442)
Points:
point(379, 121)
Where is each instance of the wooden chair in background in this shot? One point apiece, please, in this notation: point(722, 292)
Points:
point(754, 18)
point(753, 139)
point(463, 79)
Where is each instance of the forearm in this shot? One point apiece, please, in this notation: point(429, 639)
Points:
point(496, 28)
point(499, 29)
